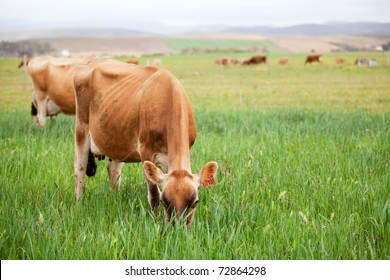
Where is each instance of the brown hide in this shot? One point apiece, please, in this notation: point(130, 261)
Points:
point(222, 61)
point(313, 58)
point(133, 105)
point(256, 60)
point(284, 61)
point(136, 114)
point(133, 61)
point(340, 60)
point(53, 81)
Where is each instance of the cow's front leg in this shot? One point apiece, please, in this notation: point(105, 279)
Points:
point(114, 173)
point(153, 190)
point(81, 158)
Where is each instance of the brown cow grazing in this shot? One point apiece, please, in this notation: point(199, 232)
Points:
point(256, 60)
point(135, 114)
point(340, 60)
point(284, 61)
point(196, 73)
point(222, 61)
point(133, 61)
point(313, 58)
point(53, 85)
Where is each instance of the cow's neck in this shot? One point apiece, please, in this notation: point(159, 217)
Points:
point(178, 136)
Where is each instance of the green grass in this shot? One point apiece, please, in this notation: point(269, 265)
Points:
point(304, 174)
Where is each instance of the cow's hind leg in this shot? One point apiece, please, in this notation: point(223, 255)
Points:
point(41, 100)
point(41, 114)
point(114, 172)
point(81, 158)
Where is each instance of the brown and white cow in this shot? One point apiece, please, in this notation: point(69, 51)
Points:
point(53, 85)
point(133, 61)
point(313, 58)
point(135, 114)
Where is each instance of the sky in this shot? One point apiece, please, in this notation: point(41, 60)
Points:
point(117, 13)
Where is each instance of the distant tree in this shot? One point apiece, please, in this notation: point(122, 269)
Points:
point(26, 47)
point(386, 46)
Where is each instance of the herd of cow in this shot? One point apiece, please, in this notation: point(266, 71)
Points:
point(258, 59)
point(129, 114)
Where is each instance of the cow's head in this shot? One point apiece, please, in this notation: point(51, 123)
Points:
point(179, 194)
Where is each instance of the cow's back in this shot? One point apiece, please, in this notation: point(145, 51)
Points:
point(53, 79)
point(60, 86)
point(38, 71)
point(130, 107)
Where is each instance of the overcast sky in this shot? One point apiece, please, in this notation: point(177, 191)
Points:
point(114, 13)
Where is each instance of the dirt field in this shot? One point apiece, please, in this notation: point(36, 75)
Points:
point(303, 44)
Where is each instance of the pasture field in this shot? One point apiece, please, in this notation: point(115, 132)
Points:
point(180, 44)
point(304, 156)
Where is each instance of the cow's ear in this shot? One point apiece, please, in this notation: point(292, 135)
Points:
point(155, 175)
point(207, 174)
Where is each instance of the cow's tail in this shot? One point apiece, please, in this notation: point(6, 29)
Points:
point(91, 165)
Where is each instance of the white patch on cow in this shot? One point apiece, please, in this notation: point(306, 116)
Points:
point(52, 108)
point(94, 149)
point(138, 145)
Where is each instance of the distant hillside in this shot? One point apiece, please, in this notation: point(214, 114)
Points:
point(329, 29)
point(22, 34)
point(330, 37)
point(12, 31)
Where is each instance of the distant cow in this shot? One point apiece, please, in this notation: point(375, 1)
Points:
point(136, 114)
point(157, 62)
point(133, 61)
point(284, 61)
point(361, 61)
point(372, 62)
point(313, 58)
point(222, 61)
point(196, 73)
point(53, 85)
point(340, 60)
point(256, 60)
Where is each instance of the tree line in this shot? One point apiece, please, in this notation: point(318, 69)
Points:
point(27, 47)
